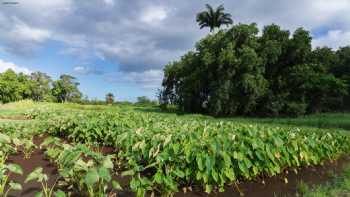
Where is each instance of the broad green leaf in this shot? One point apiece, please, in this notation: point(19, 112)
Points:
point(128, 173)
point(15, 186)
point(39, 194)
point(4, 138)
point(107, 162)
point(116, 185)
point(104, 174)
point(158, 178)
point(14, 168)
point(60, 193)
point(91, 177)
point(37, 174)
point(230, 174)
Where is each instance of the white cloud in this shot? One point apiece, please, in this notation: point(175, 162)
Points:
point(153, 14)
point(80, 70)
point(109, 2)
point(26, 33)
point(149, 79)
point(84, 70)
point(9, 65)
point(333, 39)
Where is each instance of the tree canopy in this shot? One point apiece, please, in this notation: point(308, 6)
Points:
point(238, 72)
point(66, 89)
point(37, 86)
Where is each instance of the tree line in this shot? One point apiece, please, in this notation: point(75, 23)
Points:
point(236, 71)
point(38, 86)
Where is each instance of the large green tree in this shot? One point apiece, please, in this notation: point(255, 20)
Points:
point(66, 89)
point(10, 87)
point(40, 87)
point(37, 86)
point(238, 72)
point(342, 70)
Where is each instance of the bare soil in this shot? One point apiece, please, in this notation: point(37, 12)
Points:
point(14, 117)
point(37, 159)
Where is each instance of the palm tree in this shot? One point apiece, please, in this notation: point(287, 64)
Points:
point(109, 98)
point(213, 18)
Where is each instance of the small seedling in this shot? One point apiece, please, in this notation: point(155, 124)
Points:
point(38, 176)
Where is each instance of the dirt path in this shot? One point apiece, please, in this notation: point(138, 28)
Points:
point(14, 117)
point(37, 159)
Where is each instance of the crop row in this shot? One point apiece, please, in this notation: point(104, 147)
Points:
point(178, 153)
point(82, 171)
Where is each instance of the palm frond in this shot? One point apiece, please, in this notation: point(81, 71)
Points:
point(213, 18)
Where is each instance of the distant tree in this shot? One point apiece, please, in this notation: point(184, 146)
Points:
point(66, 89)
point(143, 100)
point(213, 18)
point(40, 88)
point(109, 98)
point(10, 89)
point(15, 86)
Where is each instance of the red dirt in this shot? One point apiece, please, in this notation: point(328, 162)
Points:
point(274, 186)
point(16, 117)
point(37, 159)
point(106, 150)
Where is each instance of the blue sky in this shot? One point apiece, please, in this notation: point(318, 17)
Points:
point(121, 46)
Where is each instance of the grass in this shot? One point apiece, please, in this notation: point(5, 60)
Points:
point(325, 120)
point(340, 186)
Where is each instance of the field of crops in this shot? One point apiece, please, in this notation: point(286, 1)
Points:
point(108, 151)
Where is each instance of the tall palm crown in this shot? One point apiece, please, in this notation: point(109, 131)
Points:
point(109, 98)
point(213, 18)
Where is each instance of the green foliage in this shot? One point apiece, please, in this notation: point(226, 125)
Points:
point(84, 171)
point(39, 176)
point(143, 100)
point(14, 87)
point(41, 86)
point(37, 86)
point(6, 169)
point(66, 89)
point(238, 72)
point(164, 153)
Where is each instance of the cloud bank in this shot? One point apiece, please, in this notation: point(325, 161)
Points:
point(9, 65)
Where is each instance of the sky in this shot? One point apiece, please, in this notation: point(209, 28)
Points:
point(122, 46)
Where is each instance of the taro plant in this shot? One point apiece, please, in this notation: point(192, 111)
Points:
point(6, 146)
point(83, 170)
point(47, 191)
point(27, 146)
point(89, 170)
point(164, 153)
point(6, 170)
point(7, 185)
